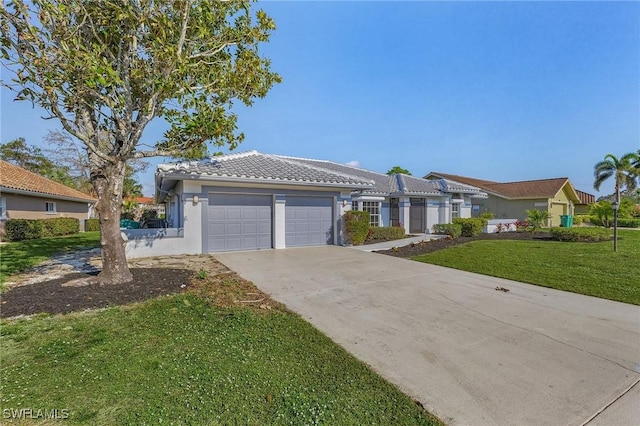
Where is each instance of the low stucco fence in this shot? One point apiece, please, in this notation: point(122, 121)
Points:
point(157, 242)
point(502, 225)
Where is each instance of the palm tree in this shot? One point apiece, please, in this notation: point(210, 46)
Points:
point(625, 172)
point(623, 169)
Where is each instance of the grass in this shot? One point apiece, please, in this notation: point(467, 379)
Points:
point(180, 360)
point(22, 255)
point(593, 269)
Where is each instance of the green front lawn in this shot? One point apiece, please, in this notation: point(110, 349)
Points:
point(22, 255)
point(586, 268)
point(178, 360)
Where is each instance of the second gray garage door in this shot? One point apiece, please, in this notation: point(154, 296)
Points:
point(239, 222)
point(308, 221)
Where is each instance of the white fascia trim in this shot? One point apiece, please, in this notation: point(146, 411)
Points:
point(367, 198)
point(208, 178)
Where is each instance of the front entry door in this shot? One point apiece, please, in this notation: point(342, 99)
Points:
point(416, 216)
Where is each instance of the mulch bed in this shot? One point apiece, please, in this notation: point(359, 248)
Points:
point(439, 244)
point(57, 297)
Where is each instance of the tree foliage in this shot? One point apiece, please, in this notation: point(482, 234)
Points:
point(398, 169)
point(33, 159)
point(106, 69)
point(623, 171)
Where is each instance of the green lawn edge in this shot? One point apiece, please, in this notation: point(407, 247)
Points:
point(592, 269)
point(21, 255)
point(179, 360)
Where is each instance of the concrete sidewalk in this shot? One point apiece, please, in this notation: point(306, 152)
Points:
point(470, 354)
point(387, 245)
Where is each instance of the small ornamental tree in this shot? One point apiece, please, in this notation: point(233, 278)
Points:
point(537, 219)
point(106, 69)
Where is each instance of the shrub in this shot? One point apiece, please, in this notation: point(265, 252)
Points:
point(22, 229)
point(601, 213)
point(60, 226)
point(454, 230)
point(487, 215)
point(579, 219)
point(91, 225)
point(537, 218)
point(629, 223)
point(580, 234)
point(356, 226)
point(31, 229)
point(386, 233)
point(471, 226)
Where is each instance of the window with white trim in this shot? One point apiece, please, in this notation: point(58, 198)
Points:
point(354, 205)
point(373, 207)
point(3, 208)
point(455, 210)
point(50, 207)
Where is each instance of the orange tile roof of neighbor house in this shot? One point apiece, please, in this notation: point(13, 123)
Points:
point(16, 178)
point(541, 188)
point(144, 200)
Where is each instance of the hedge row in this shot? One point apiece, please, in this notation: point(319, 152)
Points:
point(471, 226)
point(629, 223)
point(454, 230)
point(587, 234)
point(386, 233)
point(31, 229)
point(91, 225)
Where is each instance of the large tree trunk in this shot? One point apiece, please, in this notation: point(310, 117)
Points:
point(107, 181)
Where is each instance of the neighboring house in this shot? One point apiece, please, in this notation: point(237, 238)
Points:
point(148, 203)
point(251, 201)
point(27, 195)
point(512, 199)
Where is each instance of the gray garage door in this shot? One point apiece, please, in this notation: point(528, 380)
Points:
point(308, 221)
point(239, 222)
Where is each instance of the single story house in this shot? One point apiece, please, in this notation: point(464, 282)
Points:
point(512, 199)
point(27, 195)
point(252, 200)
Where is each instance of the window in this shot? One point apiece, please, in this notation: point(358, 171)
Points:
point(455, 210)
point(475, 210)
point(3, 208)
point(373, 207)
point(50, 208)
point(354, 205)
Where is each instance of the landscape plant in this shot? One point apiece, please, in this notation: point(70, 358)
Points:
point(106, 70)
point(453, 230)
point(537, 219)
point(356, 226)
point(590, 234)
point(471, 226)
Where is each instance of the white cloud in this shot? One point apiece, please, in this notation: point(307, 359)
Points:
point(353, 163)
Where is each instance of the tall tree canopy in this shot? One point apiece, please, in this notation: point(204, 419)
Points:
point(33, 159)
point(398, 169)
point(108, 68)
point(621, 169)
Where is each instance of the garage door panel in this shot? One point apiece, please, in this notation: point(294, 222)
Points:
point(239, 222)
point(308, 221)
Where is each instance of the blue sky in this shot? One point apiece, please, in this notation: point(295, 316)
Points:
point(495, 90)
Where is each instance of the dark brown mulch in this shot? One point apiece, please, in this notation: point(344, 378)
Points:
point(435, 245)
point(54, 298)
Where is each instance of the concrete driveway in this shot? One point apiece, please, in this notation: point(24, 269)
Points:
point(473, 355)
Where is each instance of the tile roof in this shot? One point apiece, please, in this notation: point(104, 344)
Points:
point(253, 165)
point(263, 167)
point(13, 177)
point(541, 188)
point(586, 198)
